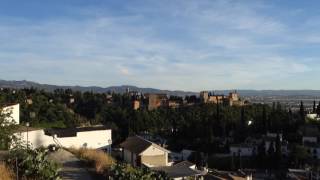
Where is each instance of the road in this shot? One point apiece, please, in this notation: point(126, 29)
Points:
point(71, 166)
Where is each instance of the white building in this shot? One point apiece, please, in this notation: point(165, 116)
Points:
point(313, 116)
point(14, 111)
point(274, 135)
point(310, 139)
point(97, 137)
point(242, 149)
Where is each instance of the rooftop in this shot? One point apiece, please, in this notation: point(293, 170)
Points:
point(137, 144)
point(181, 169)
point(71, 132)
point(2, 105)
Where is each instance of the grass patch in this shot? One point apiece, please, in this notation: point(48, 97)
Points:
point(6, 173)
point(98, 158)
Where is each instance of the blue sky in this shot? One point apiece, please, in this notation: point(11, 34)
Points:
point(167, 44)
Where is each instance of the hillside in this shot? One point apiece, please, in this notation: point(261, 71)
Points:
point(123, 88)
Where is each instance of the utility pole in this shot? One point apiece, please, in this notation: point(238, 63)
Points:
point(27, 124)
point(17, 168)
point(240, 163)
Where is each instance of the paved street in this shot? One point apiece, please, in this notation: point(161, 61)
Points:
point(71, 166)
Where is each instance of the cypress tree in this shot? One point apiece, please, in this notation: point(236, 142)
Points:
point(278, 154)
point(302, 113)
point(264, 119)
point(318, 109)
point(314, 109)
point(273, 106)
point(279, 107)
point(261, 155)
point(242, 127)
point(242, 118)
point(290, 116)
point(271, 149)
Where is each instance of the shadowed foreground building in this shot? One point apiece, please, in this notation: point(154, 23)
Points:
point(138, 151)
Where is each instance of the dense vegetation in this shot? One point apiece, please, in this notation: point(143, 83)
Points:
point(6, 130)
point(207, 128)
point(207, 122)
point(27, 163)
point(127, 172)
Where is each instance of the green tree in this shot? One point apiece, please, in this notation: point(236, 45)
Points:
point(264, 119)
point(7, 128)
point(302, 113)
point(298, 155)
point(278, 153)
point(127, 172)
point(318, 109)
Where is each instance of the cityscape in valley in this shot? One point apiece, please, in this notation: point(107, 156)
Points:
point(159, 90)
point(203, 136)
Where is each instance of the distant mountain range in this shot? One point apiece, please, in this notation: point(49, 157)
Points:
point(118, 89)
point(122, 89)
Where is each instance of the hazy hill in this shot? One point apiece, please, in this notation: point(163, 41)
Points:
point(118, 89)
point(122, 89)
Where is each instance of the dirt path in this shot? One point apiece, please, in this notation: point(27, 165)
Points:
point(71, 166)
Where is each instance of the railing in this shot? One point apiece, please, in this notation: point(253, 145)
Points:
point(56, 141)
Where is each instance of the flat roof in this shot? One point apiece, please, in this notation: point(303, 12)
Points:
point(179, 170)
point(71, 132)
point(3, 105)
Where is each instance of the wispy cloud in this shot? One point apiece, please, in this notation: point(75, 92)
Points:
point(190, 45)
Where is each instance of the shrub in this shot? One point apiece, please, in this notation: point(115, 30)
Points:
point(101, 161)
point(124, 172)
point(6, 173)
point(33, 164)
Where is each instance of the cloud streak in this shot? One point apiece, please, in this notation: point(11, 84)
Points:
point(175, 45)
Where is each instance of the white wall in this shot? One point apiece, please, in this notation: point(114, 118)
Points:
point(152, 151)
point(309, 139)
point(90, 139)
point(155, 151)
point(274, 135)
point(244, 151)
point(312, 116)
point(15, 113)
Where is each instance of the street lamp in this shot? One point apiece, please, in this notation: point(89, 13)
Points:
point(109, 143)
point(240, 163)
point(27, 124)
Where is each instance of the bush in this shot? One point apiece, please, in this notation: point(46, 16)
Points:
point(33, 164)
point(5, 172)
point(127, 172)
point(101, 161)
